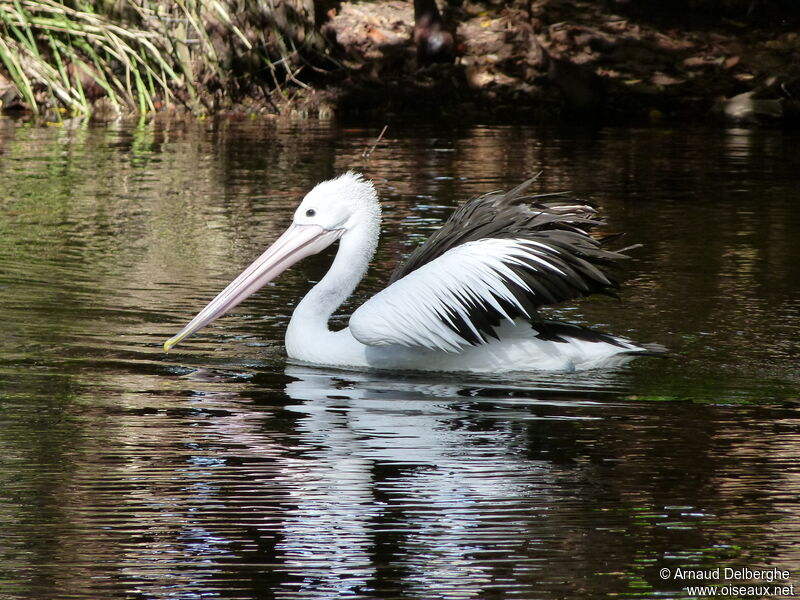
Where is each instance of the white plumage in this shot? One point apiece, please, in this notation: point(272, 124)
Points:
point(408, 311)
point(464, 301)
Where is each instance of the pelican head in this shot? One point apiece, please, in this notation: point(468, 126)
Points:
point(336, 209)
point(338, 204)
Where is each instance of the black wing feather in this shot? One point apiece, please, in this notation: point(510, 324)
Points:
point(559, 232)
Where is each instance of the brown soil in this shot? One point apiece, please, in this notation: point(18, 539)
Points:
point(557, 57)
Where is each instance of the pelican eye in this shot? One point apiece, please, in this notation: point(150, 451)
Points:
point(311, 212)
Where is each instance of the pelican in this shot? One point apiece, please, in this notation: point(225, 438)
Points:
point(465, 300)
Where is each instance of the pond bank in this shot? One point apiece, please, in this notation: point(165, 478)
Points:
point(565, 59)
point(737, 62)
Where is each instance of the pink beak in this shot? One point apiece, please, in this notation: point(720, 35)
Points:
point(296, 243)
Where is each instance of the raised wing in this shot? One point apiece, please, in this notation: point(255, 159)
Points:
point(498, 257)
point(500, 215)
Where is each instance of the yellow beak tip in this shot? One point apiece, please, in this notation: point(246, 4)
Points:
point(168, 345)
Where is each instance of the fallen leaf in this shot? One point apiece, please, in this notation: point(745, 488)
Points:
point(731, 61)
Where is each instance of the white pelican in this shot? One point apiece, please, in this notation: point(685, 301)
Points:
point(465, 300)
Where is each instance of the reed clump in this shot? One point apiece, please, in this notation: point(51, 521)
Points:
point(140, 55)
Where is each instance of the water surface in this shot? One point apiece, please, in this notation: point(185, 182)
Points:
point(221, 471)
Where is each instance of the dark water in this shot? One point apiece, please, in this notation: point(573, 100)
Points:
point(219, 471)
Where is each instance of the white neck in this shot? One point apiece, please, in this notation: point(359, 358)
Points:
point(308, 327)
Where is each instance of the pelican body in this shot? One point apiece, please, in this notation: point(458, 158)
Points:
point(465, 300)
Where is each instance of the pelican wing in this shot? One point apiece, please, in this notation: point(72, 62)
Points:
point(499, 257)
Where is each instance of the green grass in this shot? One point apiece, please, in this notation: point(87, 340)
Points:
point(51, 51)
point(136, 53)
